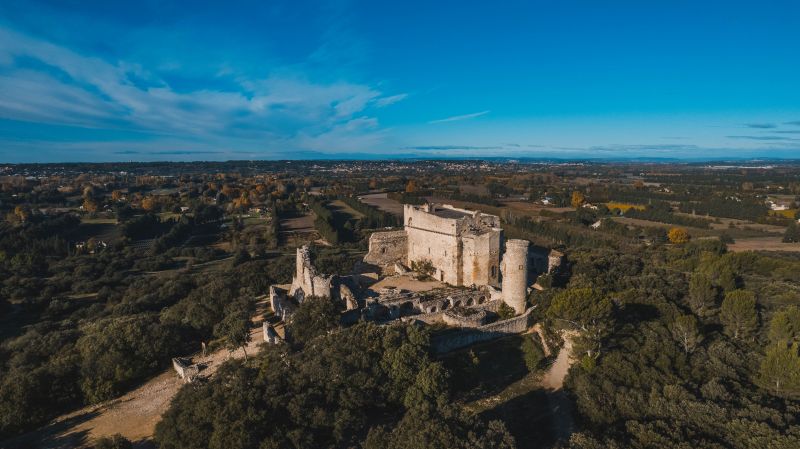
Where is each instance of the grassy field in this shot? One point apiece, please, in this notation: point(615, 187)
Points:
point(340, 207)
point(383, 202)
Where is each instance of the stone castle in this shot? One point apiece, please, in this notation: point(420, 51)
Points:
point(463, 250)
point(463, 246)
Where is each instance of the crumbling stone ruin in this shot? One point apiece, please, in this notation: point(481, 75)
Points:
point(306, 281)
point(270, 335)
point(185, 368)
point(477, 273)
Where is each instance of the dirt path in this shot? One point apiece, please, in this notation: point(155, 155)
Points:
point(560, 404)
point(554, 377)
point(135, 414)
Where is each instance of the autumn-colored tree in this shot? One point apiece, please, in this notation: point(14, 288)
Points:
point(22, 212)
point(149, 203)
point(578, 199)
point(411, 186)
point(243, 202)
point(373, 183)
point(89, 205)
point(678, 236)
point(638, 184)
point(116, 195)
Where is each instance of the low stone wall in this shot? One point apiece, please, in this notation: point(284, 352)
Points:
point(270, 335)
point(387, 249)
point(185, 369)
point(467, 337)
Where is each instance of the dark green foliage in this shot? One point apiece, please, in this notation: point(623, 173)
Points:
point(117, 352)
point(742, 208)
point(342, 387)
point(662, 211)
point(738, 313)
point(143, 227)
point(315, 316)
point(792, 234)
point(113, 442)
point(702, 293)
point(234, 329)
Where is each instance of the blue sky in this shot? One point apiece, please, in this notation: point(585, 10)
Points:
point(86, 80)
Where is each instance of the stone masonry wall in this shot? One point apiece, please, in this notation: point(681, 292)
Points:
point(387, 248)
point(467, 337)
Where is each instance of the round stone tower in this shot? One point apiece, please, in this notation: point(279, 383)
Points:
point(515, 274)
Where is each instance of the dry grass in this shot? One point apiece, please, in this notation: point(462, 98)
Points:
point(763, 244)
point(383, 202)
point(788, 213)
point(624, 207)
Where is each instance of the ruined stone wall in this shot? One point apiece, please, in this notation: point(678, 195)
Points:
point(280, 304)
point(387, 248)
point(306, 281)
point(554, 261)
point(185, 369)
point(467, 337)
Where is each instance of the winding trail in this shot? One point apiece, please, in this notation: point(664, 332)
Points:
point(135, 414)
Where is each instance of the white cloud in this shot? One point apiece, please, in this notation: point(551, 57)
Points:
point(282, 109)
point(386, 101)
point(456, 118)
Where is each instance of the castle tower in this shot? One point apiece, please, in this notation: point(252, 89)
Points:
point(515, 274)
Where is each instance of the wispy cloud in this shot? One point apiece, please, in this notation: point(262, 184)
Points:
point(450, 147)
point(760, 125)
point(794, 122)
point(457, 118)
point(386, 101)
point(42, 82)
point(765, 138)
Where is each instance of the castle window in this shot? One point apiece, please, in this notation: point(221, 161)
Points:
point(383, 250)
point(520, 267)
point(494, 271)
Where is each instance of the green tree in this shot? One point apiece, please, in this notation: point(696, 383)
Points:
point(113, 442)
point(117, 352)
point(315, 316)
point(685, 332)
point(235, 330)
point(738, 313)
point(702, 293)
point(792, 234)
point(780, 369)
point(785, 326)
point(588, 312)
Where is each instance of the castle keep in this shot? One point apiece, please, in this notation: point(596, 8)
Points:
point(463, 246)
